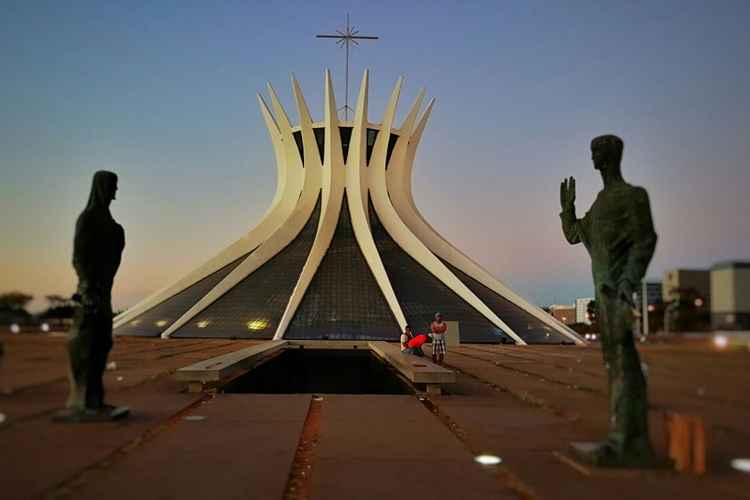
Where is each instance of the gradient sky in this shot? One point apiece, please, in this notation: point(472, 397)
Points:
point(163, 93)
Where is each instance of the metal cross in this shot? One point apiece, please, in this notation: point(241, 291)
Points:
point(345, 39)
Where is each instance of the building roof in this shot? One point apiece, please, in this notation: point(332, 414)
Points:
point(731, 264)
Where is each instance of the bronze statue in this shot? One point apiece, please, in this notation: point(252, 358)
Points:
point(97, 248)
point(619, 235)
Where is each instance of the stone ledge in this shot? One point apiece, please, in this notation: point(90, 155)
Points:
point(416, 370)
point(222, 367)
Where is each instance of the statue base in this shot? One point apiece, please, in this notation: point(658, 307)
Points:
point(599, 459)
point(77, 416)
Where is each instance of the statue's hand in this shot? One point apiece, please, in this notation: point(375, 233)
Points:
point(568, 194)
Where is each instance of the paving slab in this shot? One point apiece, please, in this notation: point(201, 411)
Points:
point(35, 388)
point(504, 424)
point(242, 448)
point(24, 364)
point(393, 447)
point(674, 388)
point(520, 403)
point(38, 454)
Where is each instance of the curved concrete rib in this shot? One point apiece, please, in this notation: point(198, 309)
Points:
point(333, 179)
point(400, 189)
point(400, 233)
point(289, 183)
point(356, 195)
point(283, 235)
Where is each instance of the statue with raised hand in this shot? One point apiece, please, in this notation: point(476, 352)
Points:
point(618, 234)
point(97, 248)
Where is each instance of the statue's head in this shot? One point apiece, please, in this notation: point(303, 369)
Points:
point(606, 151)
point(103, 189)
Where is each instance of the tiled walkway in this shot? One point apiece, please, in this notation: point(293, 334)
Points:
point(520, 403)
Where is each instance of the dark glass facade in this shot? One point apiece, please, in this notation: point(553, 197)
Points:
point(391, 144)
point(421, 294)
point(529, 328)
point(343, 300)
point(372, 136)
point(319, 133)
point(320, 140)
point(157, 319)
point(253, 307)
point(346, 135)
point(298, 139)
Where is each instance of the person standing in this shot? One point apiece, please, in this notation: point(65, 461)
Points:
point(438, 328)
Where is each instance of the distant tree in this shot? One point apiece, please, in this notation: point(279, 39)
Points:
point(592, 315)
point(59, 307)
point(13, 306)
point(57, 300)
point(688, 313)
point(582, 328)
point(14, 301)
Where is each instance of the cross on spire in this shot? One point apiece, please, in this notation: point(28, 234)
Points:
point(344, 39)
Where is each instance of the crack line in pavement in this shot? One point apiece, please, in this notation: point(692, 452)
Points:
point(42, 413)
point(524, 397)
point(120, 340)
point(125, 356)
point(298, 486)
point(529, 398)
point(15, 392)
point(535, 375)
point(189, 351)
point(504, 476)
point(66, 487)
point(146, 380)
point(533, 360)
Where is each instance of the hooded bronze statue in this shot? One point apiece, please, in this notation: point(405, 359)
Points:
point(618, 234)
point(97, 248)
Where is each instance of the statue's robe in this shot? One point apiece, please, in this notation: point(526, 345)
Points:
point(619, 235)
point(97, 249)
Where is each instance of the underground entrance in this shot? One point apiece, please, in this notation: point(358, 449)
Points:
point(324, 371)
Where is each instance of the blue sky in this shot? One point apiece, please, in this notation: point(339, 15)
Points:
point(163, 93)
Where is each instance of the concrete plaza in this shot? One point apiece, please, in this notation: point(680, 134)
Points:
point(519, 403)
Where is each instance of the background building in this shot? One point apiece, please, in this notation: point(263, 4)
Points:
point(582, 310)
point(565, 314)
point(687, 297)
point(654, 291)
point(679, 283)
point(730, 295)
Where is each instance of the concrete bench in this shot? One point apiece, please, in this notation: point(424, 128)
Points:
point(417, 370)
point(214, 370)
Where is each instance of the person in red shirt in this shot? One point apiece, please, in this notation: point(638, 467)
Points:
point(417, 341)
point(412, 344)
